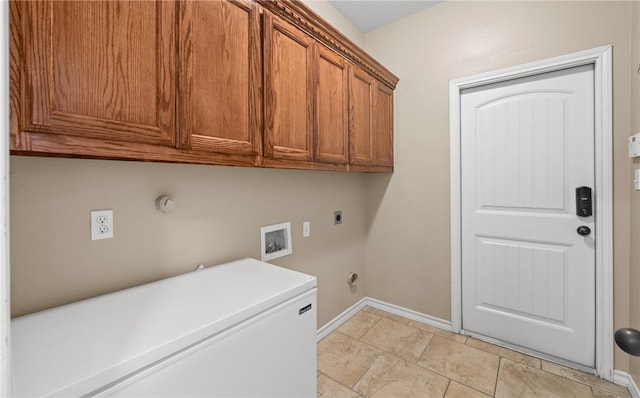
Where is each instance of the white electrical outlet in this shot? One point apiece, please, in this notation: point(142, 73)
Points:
point(101, 224)
point(306, 229)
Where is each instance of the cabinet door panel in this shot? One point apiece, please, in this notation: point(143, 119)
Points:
point(331, 112)
point(100, 69)
point(383, 127)
point(361, 118)
point(288, 91)
point(371, 122)
point(219, 80)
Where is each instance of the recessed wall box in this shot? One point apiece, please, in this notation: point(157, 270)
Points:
point(276, 241)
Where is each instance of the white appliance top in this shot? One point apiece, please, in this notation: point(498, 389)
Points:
point(76, 348)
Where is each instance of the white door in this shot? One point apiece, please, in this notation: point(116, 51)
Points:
point(528, 277)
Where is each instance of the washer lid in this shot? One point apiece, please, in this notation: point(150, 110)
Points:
point(77, 348)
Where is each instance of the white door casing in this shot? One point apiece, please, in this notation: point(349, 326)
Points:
point(5, 307)
point(600, 58)
point(528, 278)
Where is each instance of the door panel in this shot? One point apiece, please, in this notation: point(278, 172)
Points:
point(525, 169)
point(288, 82)
point(383, 126)
point(528, 278)
point(519, 277)
point(331, 111)
point(370, 120)
point(220, 77)
point(361, 86)
point(87, 78)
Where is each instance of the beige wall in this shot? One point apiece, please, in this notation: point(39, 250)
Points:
point(218, 217)
point(327, 11)
point(408, 243)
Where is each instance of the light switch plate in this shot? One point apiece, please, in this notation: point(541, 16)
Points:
point(634, 146)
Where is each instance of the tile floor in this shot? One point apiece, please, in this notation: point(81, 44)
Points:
point(382, 355)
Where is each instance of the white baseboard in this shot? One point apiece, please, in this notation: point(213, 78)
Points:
point(381, 305)
point(410, 314)
point(333, 324)
point(625, 379)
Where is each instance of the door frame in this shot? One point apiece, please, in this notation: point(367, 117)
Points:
point(600, 58)
point(5, 296)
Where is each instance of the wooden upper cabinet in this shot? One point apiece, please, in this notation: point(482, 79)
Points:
point(288, 91)
point(220, 77)
point(98, 69)
point(230, 82)
point(370, 121)
point(331, 129)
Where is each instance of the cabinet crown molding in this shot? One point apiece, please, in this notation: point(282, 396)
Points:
point(296, 12)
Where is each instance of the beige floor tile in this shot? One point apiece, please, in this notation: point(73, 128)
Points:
point(379, 365)
point(440, 332)
point(402, 340)
point(359, 324)
point(388, 315)
point(329, 388)
point(504, 352)
point(391, 376)
point(586, 378)
point(345, 359)
point(518, 380)
point(466, 365)
point(457, 390)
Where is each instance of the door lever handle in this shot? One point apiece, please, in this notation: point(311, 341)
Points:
point(583, 230)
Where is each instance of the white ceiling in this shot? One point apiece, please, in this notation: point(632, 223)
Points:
point(367, 15)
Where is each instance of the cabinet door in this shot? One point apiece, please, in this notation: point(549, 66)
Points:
point(288, 96)
point(383, 126)
point(100, 69)
point(331, 111)
point(362, 87)
point(219, 79)
point(371, 121)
